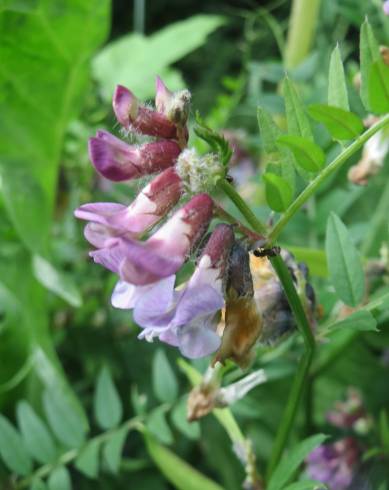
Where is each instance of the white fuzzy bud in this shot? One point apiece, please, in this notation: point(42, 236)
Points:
point(198, 173)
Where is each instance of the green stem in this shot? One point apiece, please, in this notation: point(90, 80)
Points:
point(326, 172)
point(300, 378)
point(253, 221)
point(302, 29)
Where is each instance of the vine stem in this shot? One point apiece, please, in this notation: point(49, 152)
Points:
point(286, 280)
point(326, 172)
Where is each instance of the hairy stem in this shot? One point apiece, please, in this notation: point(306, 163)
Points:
point(311, 188)
point(250, 217)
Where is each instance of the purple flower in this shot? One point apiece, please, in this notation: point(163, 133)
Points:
point(385, 7)
point(108, 220)
point(334, 464)
point(174, 105)
point(187, 318)
point(144, 263)
point(133, 115)
point(118, 161)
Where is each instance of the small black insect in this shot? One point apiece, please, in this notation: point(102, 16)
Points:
point(267, 252)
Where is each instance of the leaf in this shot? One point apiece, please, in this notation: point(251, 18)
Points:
point(157, 425)
point(306, 485)
point(314, 258)
point(369, 53)
point(298, 122)
point(179, 473)
point(292, 461)
point(36, 109)
point(337, 88)
point(280, 158)
point(38, 484)
point(216, 141)
point(384, 429)
point(113, 448)
point(379, 87)
point(107, 404)
point(308, 155)
point(360, 320)
point(344, 263)
point(278, 192)
point(59, 479)
point(36, 436)
point(341, 124)
point(56, 281)
point(165, 385)
point(179, 418)
point(171, 43)
point(88, 459)
point(66, 423)
point(12, 449)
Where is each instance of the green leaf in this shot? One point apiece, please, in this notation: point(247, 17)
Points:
point(171, 43)
point(179, 473)
point(88, 459)
point(379, 87)
point(278, 192)
point(306, 485)
point(308, 155)
point(66, 423)
point(298, 122)
point(216, 141)
point(179, 418)
point(113, 448)
point(59, 479)
point(56, 281)
point(36, 436)
point(384, 429)
point(165, 384)
point(38, 484)
point(36, 109)
point(315, 259)
point(337, 88)
point(107, 404)
point(369, 53)
point(157, 425)
point(291, 461)
point(280, 158)
point(344, 263)
point(341, 124)
point(360, 320)
point(12, 449)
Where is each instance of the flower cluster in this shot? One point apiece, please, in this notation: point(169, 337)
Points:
point(216, 310)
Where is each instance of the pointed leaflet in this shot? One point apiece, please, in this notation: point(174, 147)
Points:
point(369, 53)
point(280, 160)
point(88, 459)
point(290, 462)
point(107, 404)
point(298, 122)
point(278, 192)
point(178, 472)
point(341, 124)
point(12, 449)
point(59, 479)
point(344, 263)
point(165, 385)
point(35, 433)
point(337, 88)
point(113, 448)
point(308, 155)
point(157, 425)
point(360, 320)
point(379, 87)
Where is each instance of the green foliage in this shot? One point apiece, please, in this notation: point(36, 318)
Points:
point(165, 384)
point(379, 87)
point(12, 449)
point(369, 53)
point(215, 140)
point(107, 405)
point(113, 448)
point(341, 124)
point(308, 155)
point(88, 459)
point(360, 320)
point(59, 479)
point(344, 263)
point(279, 194)
point(337, 88)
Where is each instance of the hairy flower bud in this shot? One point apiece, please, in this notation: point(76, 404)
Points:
point(198, 173)
point(174, 105)
point(118, 161)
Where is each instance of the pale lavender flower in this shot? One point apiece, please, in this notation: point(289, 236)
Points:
point(118, 161)
point(385, 7)
point(133, 115)
point(142, 263)
point(108, 220)
point(187, 318)
point(334, 464)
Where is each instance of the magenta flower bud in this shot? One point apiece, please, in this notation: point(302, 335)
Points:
point(131, 114)
point(174, 105)
point(108, 220)
point(118, 161)
point(162, 96)
point(189, 317)
point(143, 263)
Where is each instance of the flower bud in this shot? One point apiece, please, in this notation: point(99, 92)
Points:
point(174, 105)
point(199, 174)
point(108, 220)
point(133, 115)
point(118, 161)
